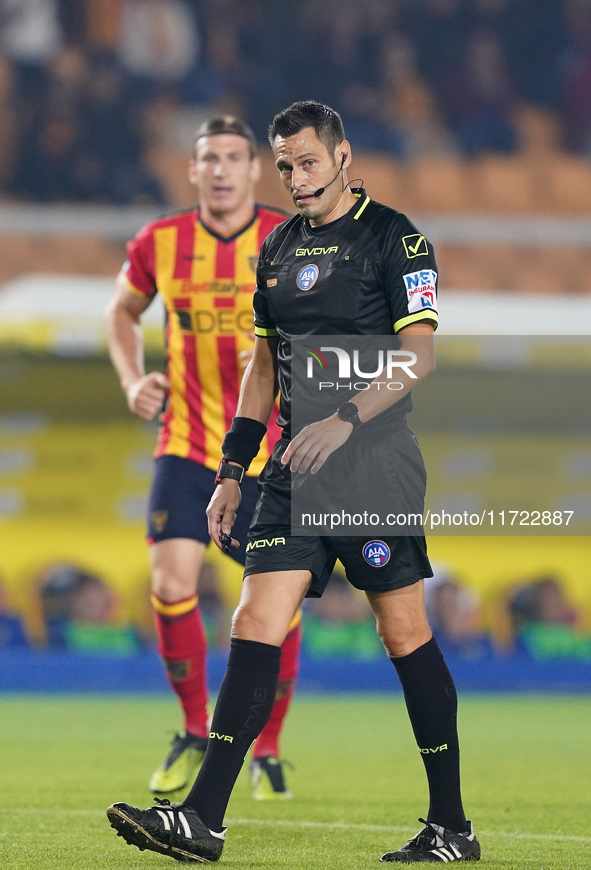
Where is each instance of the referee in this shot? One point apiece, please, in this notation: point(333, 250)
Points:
point(357, 276)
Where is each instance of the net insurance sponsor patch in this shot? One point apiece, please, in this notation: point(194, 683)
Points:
point(421, 289)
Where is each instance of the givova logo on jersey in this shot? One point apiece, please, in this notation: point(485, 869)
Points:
point(421, 289)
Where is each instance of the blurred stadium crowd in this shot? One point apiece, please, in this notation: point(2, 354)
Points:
point(88, 87)
point(72, 608)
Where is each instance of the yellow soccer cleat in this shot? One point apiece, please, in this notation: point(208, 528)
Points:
point(179, 768)
point(266, 777)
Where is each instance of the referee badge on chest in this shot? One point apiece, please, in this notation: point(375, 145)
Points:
point(307, 277)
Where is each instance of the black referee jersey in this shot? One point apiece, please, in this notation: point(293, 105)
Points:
point(368, 273)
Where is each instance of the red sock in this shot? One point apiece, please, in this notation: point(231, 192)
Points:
point(268, 741)
point(183, 646)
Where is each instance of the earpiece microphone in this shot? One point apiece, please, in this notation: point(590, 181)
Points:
point(321, 190)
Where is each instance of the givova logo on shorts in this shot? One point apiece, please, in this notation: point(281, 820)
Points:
point(264, 542)
point(376, 553)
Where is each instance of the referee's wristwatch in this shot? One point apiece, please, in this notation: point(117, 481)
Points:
point(349, 412)
point(226, 469)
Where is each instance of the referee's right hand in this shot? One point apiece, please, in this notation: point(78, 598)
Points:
point(146, 395)
point(221, 510)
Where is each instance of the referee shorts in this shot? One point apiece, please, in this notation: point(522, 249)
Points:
point(180, 492)
point(371, 564)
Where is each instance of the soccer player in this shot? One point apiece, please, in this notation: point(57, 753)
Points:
point(202, 262)
point(361, 252)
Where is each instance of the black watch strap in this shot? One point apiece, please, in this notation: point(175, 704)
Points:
point(226, 469)
point(349, 412)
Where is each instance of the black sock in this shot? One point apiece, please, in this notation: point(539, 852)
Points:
point(244, 704)
point(432, 705)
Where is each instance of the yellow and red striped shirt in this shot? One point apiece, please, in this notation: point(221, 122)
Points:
point(206, 282)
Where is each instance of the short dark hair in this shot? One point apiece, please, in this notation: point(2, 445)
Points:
point(308, 113)
point(228, 124)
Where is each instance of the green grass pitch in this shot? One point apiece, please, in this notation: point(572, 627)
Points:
point(358, 783)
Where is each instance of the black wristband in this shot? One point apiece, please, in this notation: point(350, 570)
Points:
point(225, 469)
point(242, 442)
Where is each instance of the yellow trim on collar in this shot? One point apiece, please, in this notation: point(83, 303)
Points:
point(364, 206)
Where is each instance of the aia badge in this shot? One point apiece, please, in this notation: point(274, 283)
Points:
point(376, 553)
point(307, 277)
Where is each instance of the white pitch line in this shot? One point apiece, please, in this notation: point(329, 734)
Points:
point(289, 823)
point(56, 811)
point(402, 829)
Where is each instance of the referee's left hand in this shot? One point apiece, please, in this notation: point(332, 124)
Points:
point(313, 445)
point(221, 510)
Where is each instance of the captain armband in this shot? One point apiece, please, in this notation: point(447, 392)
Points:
point(243, 441)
